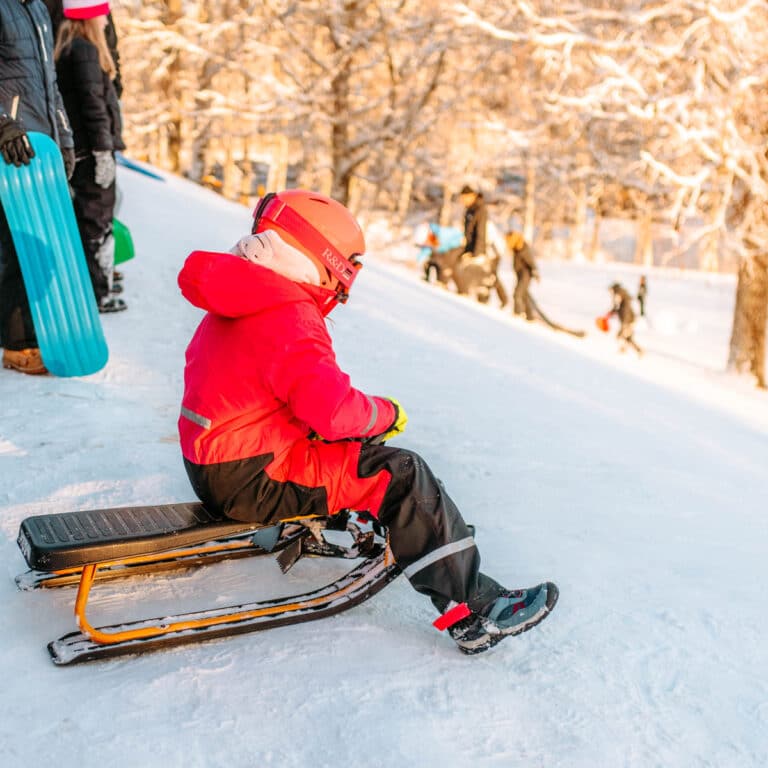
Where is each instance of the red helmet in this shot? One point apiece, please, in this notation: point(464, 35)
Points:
point(321, 228)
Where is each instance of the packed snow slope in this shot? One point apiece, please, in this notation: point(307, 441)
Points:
point(639, 486)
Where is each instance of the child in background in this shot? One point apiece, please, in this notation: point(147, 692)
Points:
point(642, 291)
point(622, 307)
point(85, 71)
point(525, 269)
point(438, 242)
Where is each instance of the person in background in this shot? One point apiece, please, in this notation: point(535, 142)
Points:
point(272, 429)
point(525, 269)
point(29, 101)
point(622, 307)
point(85, 71)
point(56, 11)
point(496, 249)
point(439, 251)
point(642, 291)
point(475, 221)
point(478, 266)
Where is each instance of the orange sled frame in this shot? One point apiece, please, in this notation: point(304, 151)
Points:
point(110, 543)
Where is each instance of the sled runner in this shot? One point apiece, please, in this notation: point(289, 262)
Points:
point(87, 546)
point(553, 325)
point(38, 206)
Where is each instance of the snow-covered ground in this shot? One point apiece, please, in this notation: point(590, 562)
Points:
point(638, 485)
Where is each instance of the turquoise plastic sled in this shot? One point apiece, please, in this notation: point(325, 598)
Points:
point(38, 207)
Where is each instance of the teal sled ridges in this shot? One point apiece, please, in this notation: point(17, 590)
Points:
point(38, 206)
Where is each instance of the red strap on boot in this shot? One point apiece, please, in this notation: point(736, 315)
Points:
point(449, 618)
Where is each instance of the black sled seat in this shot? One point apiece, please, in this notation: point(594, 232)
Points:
point(75, 539)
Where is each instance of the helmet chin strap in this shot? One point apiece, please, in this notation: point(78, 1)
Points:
point(274, 210)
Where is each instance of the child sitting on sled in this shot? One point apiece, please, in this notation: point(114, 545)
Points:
point(272, 429)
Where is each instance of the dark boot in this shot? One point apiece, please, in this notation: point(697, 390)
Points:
point(111, 304)
point(514, 612)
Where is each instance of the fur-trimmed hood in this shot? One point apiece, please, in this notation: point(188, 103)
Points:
point(232, 286)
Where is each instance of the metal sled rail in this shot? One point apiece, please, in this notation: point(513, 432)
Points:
point(579, 334)
point(91, 643)
point(87, 545)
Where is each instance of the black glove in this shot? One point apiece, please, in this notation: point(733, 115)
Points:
point(68, 155)
point(14, 143)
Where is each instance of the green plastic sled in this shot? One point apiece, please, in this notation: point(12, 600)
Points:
point(123, 242)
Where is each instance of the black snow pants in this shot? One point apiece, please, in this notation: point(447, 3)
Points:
point(16, 328)
point(94, 209)
point(430, 541)
point(428, 536)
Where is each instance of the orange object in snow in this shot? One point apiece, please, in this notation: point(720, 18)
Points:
point(603, 323)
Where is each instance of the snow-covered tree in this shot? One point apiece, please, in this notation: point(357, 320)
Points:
point(653, 110)
point(666, 102)
point(353, 83)
point(360, 81)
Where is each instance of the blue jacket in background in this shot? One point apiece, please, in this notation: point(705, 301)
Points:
point(447, 238)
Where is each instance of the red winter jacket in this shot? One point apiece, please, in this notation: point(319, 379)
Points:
point(260, 371)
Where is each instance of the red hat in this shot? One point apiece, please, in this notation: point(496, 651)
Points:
point(85, 9)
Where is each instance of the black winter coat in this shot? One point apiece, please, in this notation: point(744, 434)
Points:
point(56, 9)
point(27, 69)
point(90, 99)
point(475, 225)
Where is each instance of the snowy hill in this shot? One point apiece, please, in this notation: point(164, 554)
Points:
point(639, 486)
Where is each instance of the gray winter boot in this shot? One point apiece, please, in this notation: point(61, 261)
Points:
point(512, 613)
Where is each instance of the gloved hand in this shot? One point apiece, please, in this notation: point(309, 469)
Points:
point(14, 142)
point(68, 155)
point(104, 175)
point(397, 427)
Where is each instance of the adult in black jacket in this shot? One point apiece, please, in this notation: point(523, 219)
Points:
point(29, 101)
point(525, 270)
point(475, 221)
point(85, 69)
point(477, 269)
